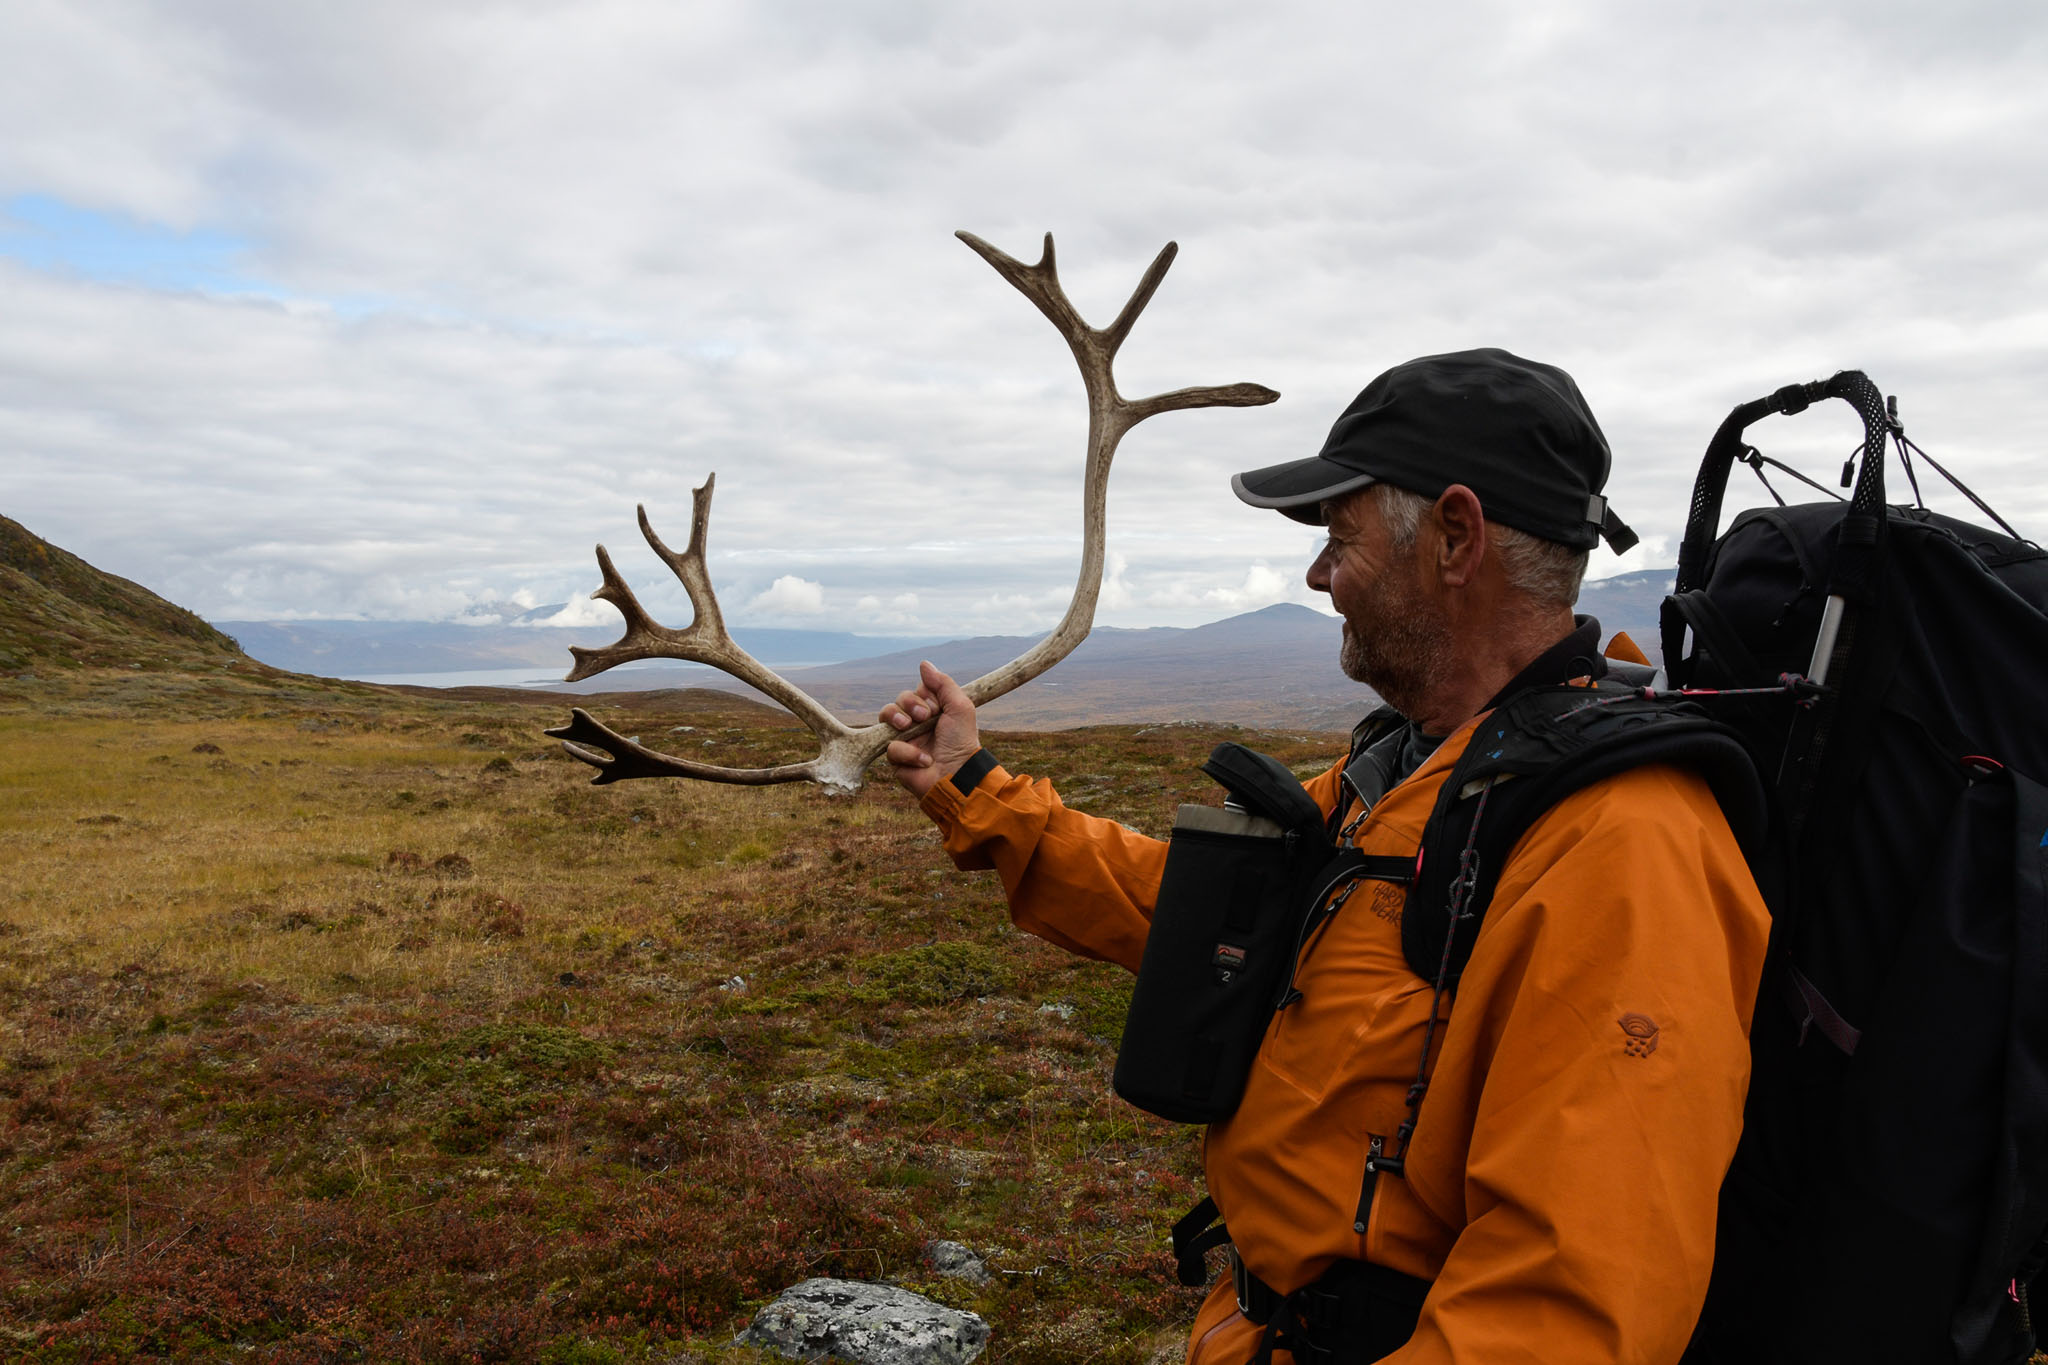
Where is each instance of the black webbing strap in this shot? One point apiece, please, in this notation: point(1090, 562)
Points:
point(1354, 1311)
point(1197, 1231)
point(1384, 867)
point(1334, 885)
point(1813, 1010)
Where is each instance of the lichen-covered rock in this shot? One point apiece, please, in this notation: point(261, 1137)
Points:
point(955, 1262)
point(869, 1324)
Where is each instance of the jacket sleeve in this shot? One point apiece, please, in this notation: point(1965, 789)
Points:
point(1080, 881)
point(1600, 1041)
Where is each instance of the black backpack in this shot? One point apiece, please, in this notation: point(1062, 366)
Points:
point(1890, 1193)
point(1882, 666)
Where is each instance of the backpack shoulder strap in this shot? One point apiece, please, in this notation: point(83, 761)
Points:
point(1530, 753)
point(1380, 722)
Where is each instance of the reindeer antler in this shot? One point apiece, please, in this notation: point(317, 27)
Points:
point(845, 752)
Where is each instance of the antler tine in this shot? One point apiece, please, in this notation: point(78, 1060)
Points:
point(1040, 283)
point(629, 758)
point(1218, 396)
point(1113, 338)
point(688, 567)
point(646, 638)
point(705, 640)
point(638, 622)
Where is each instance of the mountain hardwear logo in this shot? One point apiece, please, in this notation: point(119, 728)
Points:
point(1388, 900)
point(1642, 1034)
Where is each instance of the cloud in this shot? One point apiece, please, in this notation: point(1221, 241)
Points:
point(1214, 590)
point(1654, 552)
point(900, 612)
point(1116, 594)
point(397, 311)
point(582, 611)
point(1262, 587)
point(791, 596)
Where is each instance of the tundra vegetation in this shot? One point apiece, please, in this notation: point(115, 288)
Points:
point(339, 1023)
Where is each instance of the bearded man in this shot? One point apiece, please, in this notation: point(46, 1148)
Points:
point(1555, 1197)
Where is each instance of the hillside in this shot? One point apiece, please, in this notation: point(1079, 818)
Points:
point(56, 609)
point(76, 640)
point(1276, 666)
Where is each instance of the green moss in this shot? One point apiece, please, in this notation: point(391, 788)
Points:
point(1101, 1000)
point(934, 973)
point(333, 1183)
point(471, 1129)
point(536, 1049)
point(581, 1351)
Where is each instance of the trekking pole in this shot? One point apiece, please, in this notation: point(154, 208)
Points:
point(1824, 643)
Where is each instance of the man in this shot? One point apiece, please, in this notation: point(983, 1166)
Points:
point(1557, 1193)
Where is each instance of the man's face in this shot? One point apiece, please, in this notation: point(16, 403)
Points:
point(1395, 637)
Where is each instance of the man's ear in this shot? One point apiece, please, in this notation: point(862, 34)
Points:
point(1461, 536)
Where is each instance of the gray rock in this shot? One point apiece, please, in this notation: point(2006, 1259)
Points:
point(869, 1324)
point(955, 1262)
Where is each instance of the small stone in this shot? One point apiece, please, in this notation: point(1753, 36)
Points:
point(955, 1262)
point(736, 984)
point(1058, 1008)
point(868, 1324)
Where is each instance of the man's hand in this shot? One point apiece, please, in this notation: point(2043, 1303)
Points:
point(936, 755)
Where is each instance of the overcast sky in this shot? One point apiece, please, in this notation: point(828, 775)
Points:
point(393, 310)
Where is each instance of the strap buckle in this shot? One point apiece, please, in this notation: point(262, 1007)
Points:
point(1255, 1298)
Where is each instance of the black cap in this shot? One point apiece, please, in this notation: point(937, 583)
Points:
point(1514, 431)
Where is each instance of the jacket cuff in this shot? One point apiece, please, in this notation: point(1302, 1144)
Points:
point(942, 803)
point(972, 771)
point(949, 809)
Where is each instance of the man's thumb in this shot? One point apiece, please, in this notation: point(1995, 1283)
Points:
point(944, 690)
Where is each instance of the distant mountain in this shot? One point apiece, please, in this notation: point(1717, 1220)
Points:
point(351, 649)
point(55, 608)
point(1630, 602)
point(1276, 667)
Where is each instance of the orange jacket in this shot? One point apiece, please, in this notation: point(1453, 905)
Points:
point(1561, 1185)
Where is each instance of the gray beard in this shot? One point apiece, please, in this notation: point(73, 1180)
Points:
point(1401, 658)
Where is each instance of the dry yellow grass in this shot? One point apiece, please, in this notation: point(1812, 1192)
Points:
point(336, 1024)
point(395, 851)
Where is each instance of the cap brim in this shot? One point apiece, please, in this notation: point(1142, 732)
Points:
point(1298, 488)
